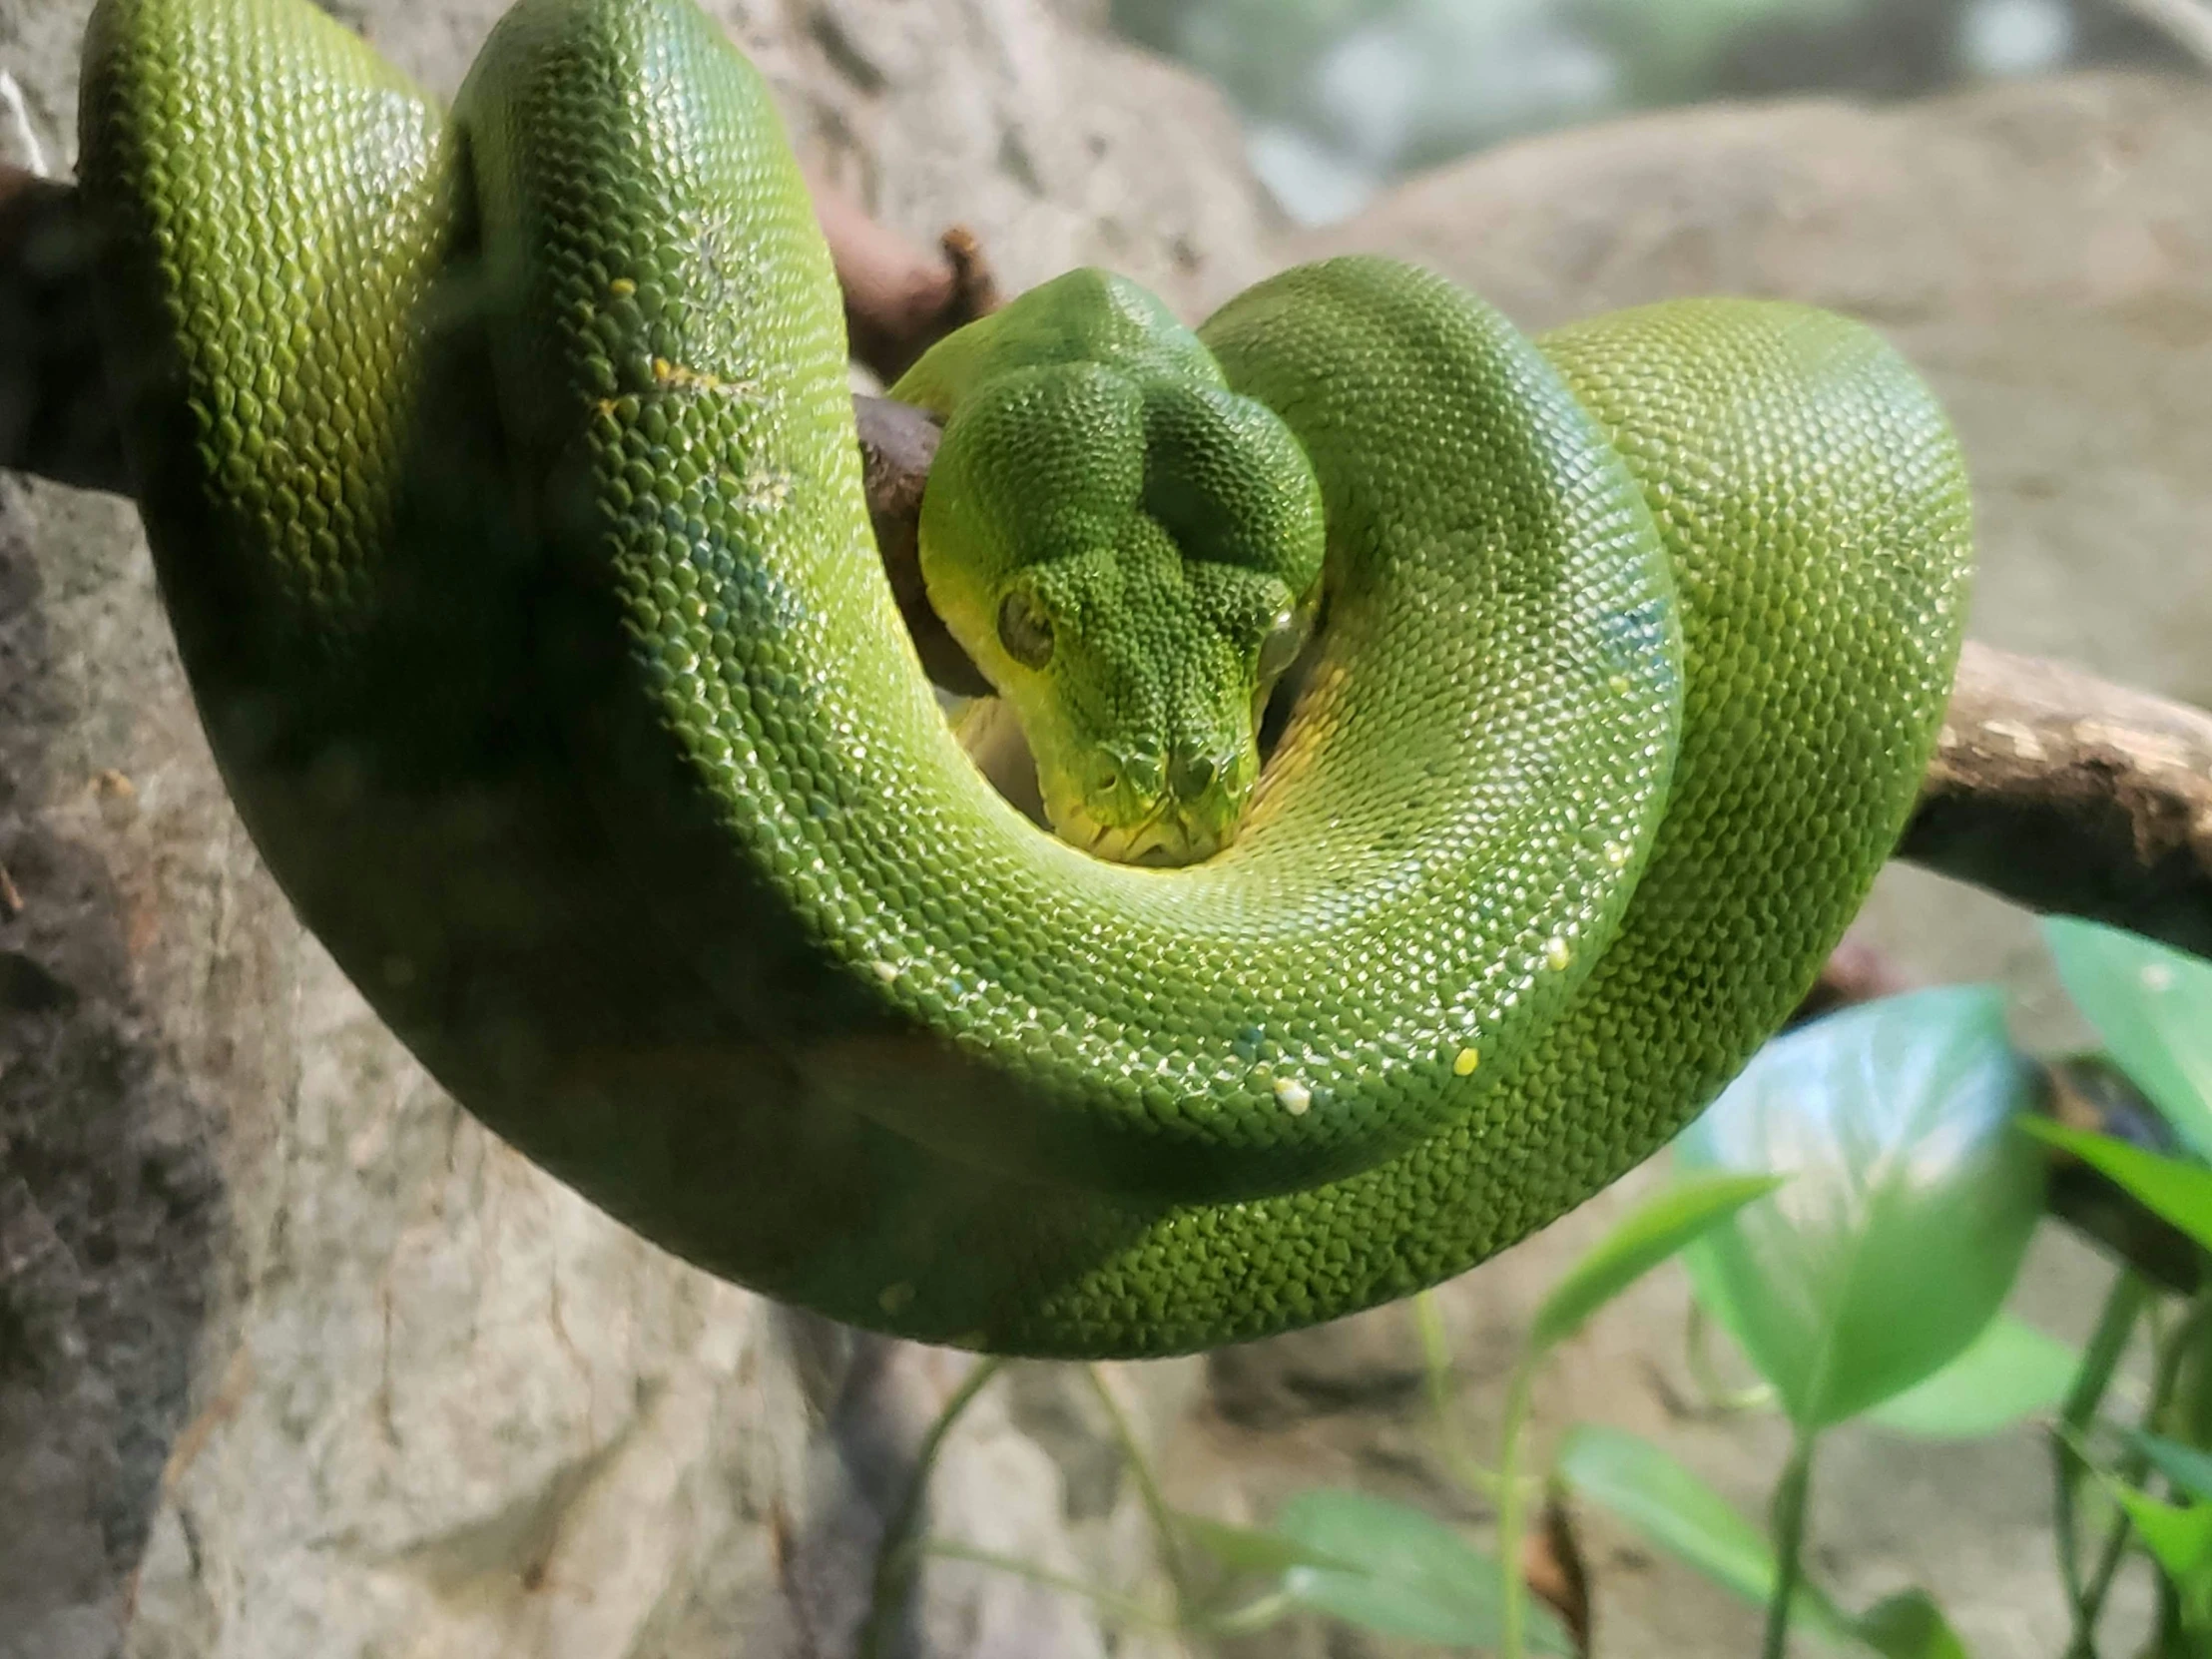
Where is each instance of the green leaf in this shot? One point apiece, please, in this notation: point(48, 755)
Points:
point(1251, 1548)
point(2185, 1465)
point(1910, 1202)
point(1656, 1231)
point(2152, 1006)
point(1909, 1626)
point(2180, 1191)
point(2179, 1538)
point(2011, 1370)
point(1405, 1574)
point(1657, 1497)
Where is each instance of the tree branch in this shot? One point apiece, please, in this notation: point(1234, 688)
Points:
point(2065, 793)
point(900, 299)
point(2050, 788)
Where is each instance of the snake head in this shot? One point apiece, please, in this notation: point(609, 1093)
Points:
point(1131, 553)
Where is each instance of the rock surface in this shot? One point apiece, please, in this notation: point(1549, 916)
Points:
point(294, 1357)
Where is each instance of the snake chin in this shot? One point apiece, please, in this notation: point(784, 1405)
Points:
point(1165, 841)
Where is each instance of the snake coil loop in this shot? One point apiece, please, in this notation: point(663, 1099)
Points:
point(499, 470)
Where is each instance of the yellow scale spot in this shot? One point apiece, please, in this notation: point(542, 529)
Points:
point(894, 1297)
point(676, 374)
point(622, 287)
point(1296, 1096)
point(1465, 1062)
point(1616, 854)
point(885, 971)
point(1619, 684)
point(1557, 954)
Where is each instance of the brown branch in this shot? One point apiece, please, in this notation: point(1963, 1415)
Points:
point(56, 423)
point(900, 299)
point(2065, 793)
point(898, 442)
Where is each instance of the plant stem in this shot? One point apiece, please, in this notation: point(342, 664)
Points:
point(2167, 1642)
point(1254, 1615)
point(2173, 1348)
point(1436, 1354)
point(1697, 1351)
point(1148, 1491)
point(1512, 1590)
point(1789, 1496)
point(2123, 1308)
point(1120, 1609)
point(895, 1555)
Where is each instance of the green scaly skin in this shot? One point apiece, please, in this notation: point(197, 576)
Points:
point(501, 480)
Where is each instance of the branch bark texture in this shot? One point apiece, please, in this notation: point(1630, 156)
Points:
point(2062, 792)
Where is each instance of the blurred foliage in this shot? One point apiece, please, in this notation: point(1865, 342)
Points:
point(1853, 1210)
point(1342, 95)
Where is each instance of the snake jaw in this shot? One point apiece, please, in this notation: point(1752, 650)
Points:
point(1166, 840)
point(1185, 816)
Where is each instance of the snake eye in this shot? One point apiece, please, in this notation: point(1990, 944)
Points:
point(1024, 630)
point(1283, 641)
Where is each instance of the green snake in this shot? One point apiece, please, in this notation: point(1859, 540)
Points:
point(500, 470)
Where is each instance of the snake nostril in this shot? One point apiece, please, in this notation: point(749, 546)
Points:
point(1191, 776)
point(1104, 775)
point(1143, 770)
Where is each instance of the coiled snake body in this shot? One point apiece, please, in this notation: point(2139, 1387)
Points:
point(501, 473)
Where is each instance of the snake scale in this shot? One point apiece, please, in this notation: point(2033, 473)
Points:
point(500, 472)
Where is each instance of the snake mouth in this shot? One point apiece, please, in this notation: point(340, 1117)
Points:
point(1164, 839)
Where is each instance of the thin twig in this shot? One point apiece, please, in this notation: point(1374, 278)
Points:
point(1511, 1510)
point(2172, 1349)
